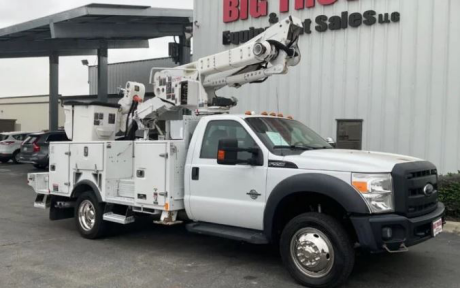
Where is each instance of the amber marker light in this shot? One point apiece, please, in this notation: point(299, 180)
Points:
point(221, 154)
point(362, 187)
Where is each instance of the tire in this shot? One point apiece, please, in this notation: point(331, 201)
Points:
point(320, 232)
point(4, 160)
point(90, 224)
point(16, 157)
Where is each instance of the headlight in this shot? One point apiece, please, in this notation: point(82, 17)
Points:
point(376, 189)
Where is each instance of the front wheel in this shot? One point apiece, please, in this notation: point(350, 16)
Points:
point(317, 251)
point(88, 216)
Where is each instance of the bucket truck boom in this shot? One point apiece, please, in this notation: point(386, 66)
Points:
point(193, 85)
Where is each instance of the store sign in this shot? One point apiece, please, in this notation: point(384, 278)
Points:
point(242, 9)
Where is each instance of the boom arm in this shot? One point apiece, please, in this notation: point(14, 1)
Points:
point(193, 85)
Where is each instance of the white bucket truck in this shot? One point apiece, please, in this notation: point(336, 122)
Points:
point(254, 178)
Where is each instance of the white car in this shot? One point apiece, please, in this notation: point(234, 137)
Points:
point(10, 145)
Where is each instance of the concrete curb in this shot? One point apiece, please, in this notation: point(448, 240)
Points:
point(451, 227)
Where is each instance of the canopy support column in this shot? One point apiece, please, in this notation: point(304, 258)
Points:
point(103, 74)
point(54, 91)
point(184, 52)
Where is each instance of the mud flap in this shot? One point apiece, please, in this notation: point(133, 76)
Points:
point(58, 211)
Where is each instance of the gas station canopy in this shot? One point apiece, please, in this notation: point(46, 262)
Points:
point(81, 31)
point(92, 30)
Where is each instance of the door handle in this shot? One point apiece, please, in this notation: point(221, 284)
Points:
point(195, 173)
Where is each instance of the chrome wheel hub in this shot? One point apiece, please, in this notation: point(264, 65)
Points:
point(312, 252)
point(86, 215)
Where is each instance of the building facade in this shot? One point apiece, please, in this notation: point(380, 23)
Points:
point(376, 75)
point(31, 113)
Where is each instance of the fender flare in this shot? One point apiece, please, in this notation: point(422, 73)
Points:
point(322, 184)
point(93, 186)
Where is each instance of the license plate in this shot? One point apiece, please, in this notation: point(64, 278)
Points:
point(25, 149)
point(437, 227)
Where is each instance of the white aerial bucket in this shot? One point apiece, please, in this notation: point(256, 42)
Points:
point(95, 121)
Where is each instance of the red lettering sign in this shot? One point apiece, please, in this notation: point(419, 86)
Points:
point(327, 2)
point(310, 3)
point(299, 4)
point(234, 10)
point(231, 10)
point(258, 8)
point(243, 9)
point(284, 5)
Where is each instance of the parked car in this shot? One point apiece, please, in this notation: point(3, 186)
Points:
point(10, 146)
point(34, 150)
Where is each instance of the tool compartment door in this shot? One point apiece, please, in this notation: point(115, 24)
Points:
point(87, 156)
point(150, 173)
point(59, 176)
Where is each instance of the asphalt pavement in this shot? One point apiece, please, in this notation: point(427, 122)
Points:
point(35, 252)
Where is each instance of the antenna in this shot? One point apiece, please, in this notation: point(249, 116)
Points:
point(278, 112)
point(277, 97)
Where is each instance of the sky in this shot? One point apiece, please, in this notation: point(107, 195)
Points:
point(29, 76)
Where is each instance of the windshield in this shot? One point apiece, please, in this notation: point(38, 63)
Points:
point(286, 137)
point(3, 137)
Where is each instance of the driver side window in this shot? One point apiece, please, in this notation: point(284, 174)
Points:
point(225, 129)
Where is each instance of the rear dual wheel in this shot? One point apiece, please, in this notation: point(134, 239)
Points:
point(317, 250)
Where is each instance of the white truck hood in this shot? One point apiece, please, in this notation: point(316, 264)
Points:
point(348, 160)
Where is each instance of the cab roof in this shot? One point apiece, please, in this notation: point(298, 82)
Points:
point(244, 116)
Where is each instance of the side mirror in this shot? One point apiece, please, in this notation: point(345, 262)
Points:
point(228, 153)
point(331, 141)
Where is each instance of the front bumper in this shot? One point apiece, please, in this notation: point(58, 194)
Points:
point(406, 231)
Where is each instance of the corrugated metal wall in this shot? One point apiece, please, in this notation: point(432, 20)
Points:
point(120, 73)
point(401, 78)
